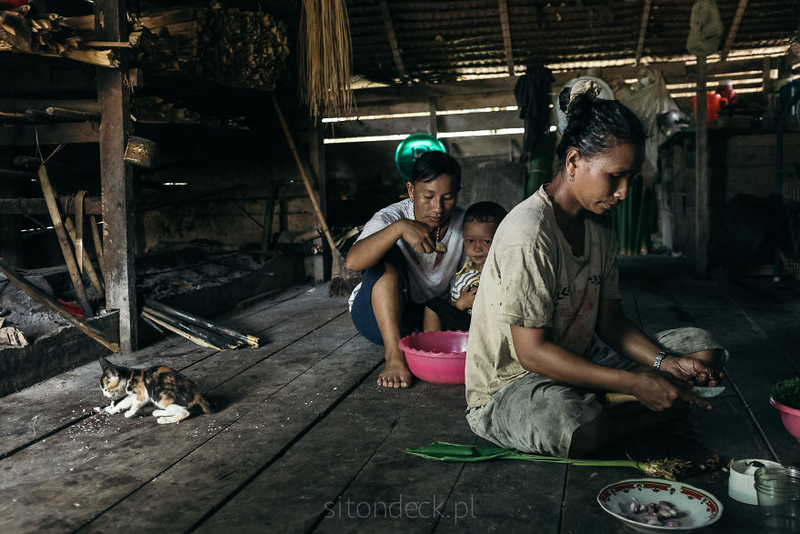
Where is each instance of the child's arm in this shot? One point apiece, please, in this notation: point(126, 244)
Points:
point(467, 298)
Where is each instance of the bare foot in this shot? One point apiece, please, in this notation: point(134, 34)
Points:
point(395, 375)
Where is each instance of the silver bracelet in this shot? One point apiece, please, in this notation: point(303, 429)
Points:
point(659, 358)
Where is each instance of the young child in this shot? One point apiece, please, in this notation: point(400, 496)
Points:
point(480, 223)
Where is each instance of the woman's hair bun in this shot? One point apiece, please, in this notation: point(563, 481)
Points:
point(585, 87)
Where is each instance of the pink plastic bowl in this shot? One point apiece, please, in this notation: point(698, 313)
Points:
point(436, 357)
point(790, 418)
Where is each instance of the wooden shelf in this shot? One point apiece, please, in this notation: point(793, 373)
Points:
point(49, 134)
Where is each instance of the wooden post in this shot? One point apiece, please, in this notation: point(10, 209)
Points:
point(701, 227)
point(269, 215)
point(316, 157)
point(434, 124)
point(9, 223)
point(768, 83)
point(116, 177)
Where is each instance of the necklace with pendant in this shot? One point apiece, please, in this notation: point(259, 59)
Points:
point(441, 248)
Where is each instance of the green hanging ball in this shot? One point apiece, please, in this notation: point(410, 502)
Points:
point(413, 147)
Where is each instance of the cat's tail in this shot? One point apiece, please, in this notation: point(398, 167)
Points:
point(202, 402)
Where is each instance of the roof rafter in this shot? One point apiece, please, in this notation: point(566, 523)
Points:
point(737, 20)
point(504, 25)
point(643, 29)
point(387, 21)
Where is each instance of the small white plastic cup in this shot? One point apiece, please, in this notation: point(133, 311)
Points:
point(741, 482)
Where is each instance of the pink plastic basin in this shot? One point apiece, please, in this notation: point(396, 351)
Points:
point(790, 418)
point(436, 357)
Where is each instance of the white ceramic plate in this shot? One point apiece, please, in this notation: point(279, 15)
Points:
point(696, 508)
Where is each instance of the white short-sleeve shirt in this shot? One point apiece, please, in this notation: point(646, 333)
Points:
point(429, 274)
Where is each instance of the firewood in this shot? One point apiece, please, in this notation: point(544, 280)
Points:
point(50, 35)
point(225, 46)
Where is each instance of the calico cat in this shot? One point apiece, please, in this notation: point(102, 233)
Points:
point(170, 391)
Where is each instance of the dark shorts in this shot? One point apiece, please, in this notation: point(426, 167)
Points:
point(362, 312)
point(451, 317)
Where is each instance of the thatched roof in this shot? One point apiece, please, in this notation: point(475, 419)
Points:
point(437, 41)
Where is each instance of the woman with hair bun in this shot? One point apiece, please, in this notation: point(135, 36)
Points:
point(535, 379)
point(409, 251)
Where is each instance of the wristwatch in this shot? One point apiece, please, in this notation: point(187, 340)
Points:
point(659, 358)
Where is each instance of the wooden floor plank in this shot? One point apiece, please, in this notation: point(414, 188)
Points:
point(727, 430)
point(758, 359)
point(117, 456)
point(391, 474)
point(505, 496)
point(387, 422)
point(302, 430)
point(228, 461)
point(69, 397)
point(320, 466)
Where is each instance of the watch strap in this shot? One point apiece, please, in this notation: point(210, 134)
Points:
point(659, 358)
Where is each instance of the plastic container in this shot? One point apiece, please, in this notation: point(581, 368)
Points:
point(725, 90)
point(790, 418)
point(714, 102)
point(436, 357)
point(741, 481)
point(778, 493)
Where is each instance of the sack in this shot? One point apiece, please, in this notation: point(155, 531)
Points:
point(705, 31)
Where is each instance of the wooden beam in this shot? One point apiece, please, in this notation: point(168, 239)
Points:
point(387, 21)
point(49, 134)
point(116, 178)
point(23, 104)
point(100, 58)
point(506, 28)
point(38, 206)
point(737, 21)
point(701, 229)
point(6, 174)
point(643, 30)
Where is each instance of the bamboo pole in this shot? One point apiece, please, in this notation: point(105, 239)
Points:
point(63, 241)
point(78, 239)
point(306, 182)
point(90, 272)
point(43, 299)
point(165, 308)
point(220, 341)
point(180, 332)
point(98, 246)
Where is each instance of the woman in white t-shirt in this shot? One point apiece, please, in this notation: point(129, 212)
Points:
point(534, 379)
point(409, 252)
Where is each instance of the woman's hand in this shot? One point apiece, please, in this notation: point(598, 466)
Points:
point(418, 235)
point(659, 391)
point(690, 370)
point(467, 298)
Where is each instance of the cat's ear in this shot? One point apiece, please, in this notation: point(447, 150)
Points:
point(108, 367)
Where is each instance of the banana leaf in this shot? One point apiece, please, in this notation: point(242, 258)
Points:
point(669, 468)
